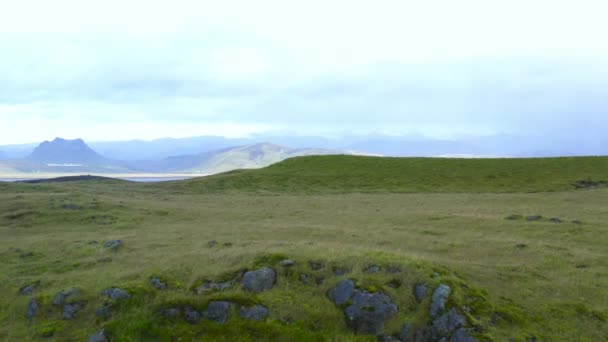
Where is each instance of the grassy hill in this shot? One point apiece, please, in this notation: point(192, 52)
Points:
point(430, 221)
point(346, 174)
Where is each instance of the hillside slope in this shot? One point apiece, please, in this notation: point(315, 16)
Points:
point(341, 174)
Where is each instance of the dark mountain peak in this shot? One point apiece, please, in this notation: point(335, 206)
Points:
point(63, 151)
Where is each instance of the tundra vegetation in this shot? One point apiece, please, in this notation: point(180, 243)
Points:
point(335, 248)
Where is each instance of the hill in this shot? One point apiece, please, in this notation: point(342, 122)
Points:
point(61, 151)
point(340, 174)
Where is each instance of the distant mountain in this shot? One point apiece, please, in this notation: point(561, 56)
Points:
point(240, 157)
point(61, 151)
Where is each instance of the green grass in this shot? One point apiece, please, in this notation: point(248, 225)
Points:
point(520, 278)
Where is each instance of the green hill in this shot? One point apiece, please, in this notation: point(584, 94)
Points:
point(347, 174)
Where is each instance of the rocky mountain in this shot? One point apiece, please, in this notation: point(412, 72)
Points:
point(61, 151)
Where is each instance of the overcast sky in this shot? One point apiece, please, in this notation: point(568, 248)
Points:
point(126, 69)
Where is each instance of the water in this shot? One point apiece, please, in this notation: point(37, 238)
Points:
point(134, 179)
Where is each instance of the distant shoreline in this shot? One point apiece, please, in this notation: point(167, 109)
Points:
point(47, 175)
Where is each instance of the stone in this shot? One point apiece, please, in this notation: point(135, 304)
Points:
point(254, 313)
point(372, 269)
point(63, 295)
point(369, 312)
point(342, 293)
point(338, 271)
point(440, 297)
point(212, 243)
point(461, 335)
point(32, 308)
point(103, 311)
point(115, 293)
point(419, 292)
point(447, 323)
point(114, 245)
point(158, 284)
point(393, 269)
point(259, 280)
point(555, 220)
point(387, 338)
point(404, 334)
point(99, 337)
point(534, 218)
point(315, 266)
point(287, 263)
point(218, 312)
point(170, 312)
point(192, 316)
point(27, 290)
point(70, 310)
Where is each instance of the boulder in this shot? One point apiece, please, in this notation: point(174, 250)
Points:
point(404, 334)
point(342, 293)
point(113, 245)
point(338, 271)
point(115, 293)
point(70, 310)
point(158, 284)
point(99, 337)
point(254, 313)
point(27, 290)
point(534, 218)
point(388, 338)
point(372, 269)
point(555, 220)
point(32, 308)
point(316, 265)
point(447, 323)
point(369, 312)
point(63, 295)
point(103, 311)
point(192, 316)
point(419, 292)
point(440, 298)
point(259, 280)
point(170, 312)
point(461, 335)
point(287, 263)
point(218, 312)
point(212, 243)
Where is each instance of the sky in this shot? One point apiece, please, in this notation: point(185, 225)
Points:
point(120, 70)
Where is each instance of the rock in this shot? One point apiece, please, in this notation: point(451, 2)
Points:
point(32, 308)
point(61, 296)
point(372, 269)
point(421, 335)
point(103, 312)
point(338, 271)
point(287, 263)
point(555, 220)
point(114, 245)
point(70, 310)
point(404, 334)
point(158, 284)
point(513, 217)
point(440, 297)
point(342, 293)
point(223, 286)
point(228, 244)
point(115, 293)
point(315, 266)
point(305, 278)
point(534, 218)
point(447, 323)
point(393, 269)
point(461, 335)
point(387, 338)
point(254, 313)
point(170, 312)
point(99, 337)
point(369, 312)
point(211, 243)
point(192, 316)
point(259, 280)
point(27, 290)
point(218, 312)
point(419, 292)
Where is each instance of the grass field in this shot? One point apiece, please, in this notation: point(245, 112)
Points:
point(440, 221)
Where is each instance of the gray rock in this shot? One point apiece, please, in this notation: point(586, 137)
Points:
point(342, 293)
point(440, 297)
point(70, 310)
point(461, 335)
point(223, 286)
point(555, 220)
point(254, 313)
point(27, 290)
point(404, 334)
point(63, 295)
point(447, 323)
point(534, 218)
point(340, 271)
point(419, 292)
point(421, 335)
point(369, 312)
point(192, 316)
point(287, 263)
point(170, 312)
point(115, 293)
point(387, 338)
point(103, 311)
point(218, 312)
point(114, 245)
point(372, 269)
point(211, 243)
point(259, 280)
point(158, 284)
point(32, 308)
point(99, 337)
point(315, 266)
